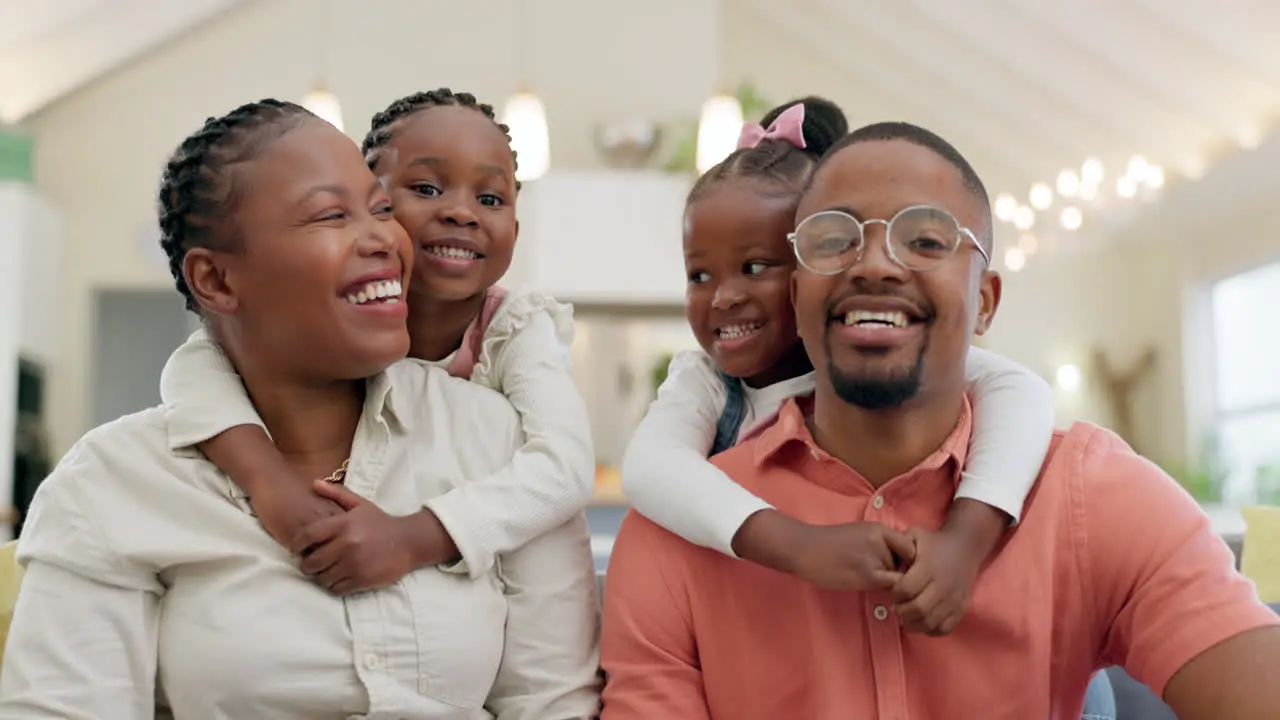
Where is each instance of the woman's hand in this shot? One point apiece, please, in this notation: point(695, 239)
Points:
point(364, 548)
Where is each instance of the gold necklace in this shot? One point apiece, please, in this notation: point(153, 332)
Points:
point(339, 475)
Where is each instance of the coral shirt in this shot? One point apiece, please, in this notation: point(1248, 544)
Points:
point(1112, 564)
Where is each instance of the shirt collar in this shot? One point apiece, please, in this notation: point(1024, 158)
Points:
point(792, 428)
point(386, 397)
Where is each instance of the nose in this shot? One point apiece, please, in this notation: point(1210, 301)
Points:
point(457, 213)
point(379, 238)
point(728, 294)
point(876, 261)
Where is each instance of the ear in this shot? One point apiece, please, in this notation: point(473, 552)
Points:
point(988, 300)
point(517, 235)
point(206, 275)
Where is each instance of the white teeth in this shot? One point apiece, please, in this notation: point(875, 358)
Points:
point(732, 332)
point(884, 319)
point(452, 252)
point(386, 290)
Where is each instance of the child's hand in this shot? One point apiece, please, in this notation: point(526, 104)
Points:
point(360, 549)
point(932, 596)
point(286, 507)
point(853, 556)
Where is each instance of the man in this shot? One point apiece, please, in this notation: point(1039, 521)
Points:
point(1111, 564)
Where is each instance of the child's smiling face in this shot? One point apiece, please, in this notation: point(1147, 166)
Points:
point(739, 267)
point(452, 180)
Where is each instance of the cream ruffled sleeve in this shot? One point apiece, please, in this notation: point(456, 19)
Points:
point(525, 355)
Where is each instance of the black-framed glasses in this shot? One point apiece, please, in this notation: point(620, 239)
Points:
point(919, 238)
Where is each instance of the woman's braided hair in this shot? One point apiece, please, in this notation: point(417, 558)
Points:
point(198, 192)
point(382, 129)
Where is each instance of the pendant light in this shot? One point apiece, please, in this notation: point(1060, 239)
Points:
point(718, 130)
point(321, 101)
point(524, 112)
point(324, 104)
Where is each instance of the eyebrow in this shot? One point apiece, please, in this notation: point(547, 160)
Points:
point(338, 190)
point(432, 162)
point(314, 190)
point(844, 209)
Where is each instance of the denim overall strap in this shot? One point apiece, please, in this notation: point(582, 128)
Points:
point(731, 419)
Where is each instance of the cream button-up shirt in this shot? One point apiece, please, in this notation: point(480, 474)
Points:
point(152, 591)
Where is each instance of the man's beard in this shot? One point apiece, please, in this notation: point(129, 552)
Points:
point(876, 393)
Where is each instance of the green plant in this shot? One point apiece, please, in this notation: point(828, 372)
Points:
point(684, 154)
point(658, 374)
point(1205, 477)
point(1267, 483)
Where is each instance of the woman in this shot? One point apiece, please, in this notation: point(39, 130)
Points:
point(151, 588)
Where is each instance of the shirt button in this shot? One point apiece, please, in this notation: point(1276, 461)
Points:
point(877, 502)
point(881, 612)
point(371, 661)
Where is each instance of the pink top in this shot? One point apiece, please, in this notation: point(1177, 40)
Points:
point(690, 633)
point(464, 360)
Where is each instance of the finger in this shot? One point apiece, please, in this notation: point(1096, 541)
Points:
point(345, 587)
point(913, 583)
point(885, 578)
point(937, 618)
point(950, 624)
point(346, 499)
point(901, 544)
point(333, 576)
point(317, 533)
point(917, 611)
point(323, 557)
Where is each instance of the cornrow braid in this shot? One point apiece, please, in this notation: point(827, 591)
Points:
point(197, 193)
point(778, 164)
point(382, 128)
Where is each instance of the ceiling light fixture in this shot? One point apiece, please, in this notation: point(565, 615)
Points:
point(1068, 183)
point(1071, 218)
point(1024, 218)
point(1006, 206)
point(1041, 196)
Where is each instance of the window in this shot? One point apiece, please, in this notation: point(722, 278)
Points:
point(1246, 384)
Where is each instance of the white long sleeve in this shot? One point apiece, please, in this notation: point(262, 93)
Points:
point(551, 659)
point(202, 394)
point(665, 472)
point(551, 477)
point(86, 625)
point(1013, 417)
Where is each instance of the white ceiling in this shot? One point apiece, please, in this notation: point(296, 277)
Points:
point(1025, 87)
point(1029, 88)
point(50, 47)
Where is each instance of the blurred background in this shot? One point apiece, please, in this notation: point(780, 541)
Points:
point(1128, 146)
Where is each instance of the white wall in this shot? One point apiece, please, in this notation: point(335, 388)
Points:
point(100, 150)
point(28, 303)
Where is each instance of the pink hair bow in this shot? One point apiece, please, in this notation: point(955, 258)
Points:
point(787, 127)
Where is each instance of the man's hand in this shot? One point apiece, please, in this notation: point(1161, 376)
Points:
point(932, 596)
point(287, 506)
point(360, 549)
point(852, 556)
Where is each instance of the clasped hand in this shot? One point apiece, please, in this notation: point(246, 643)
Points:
point(346, 543)
point(929, 574)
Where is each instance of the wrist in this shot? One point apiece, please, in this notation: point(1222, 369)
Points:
point(771, 539)
point(975, 526)
point(427, 539)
